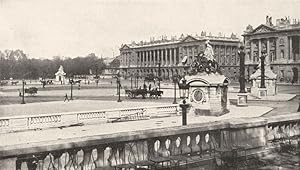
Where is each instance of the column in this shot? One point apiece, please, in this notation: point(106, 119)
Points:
point(225, 55)
point(193, 53)
point(147, 58)
point(151, 57)
point(251, 51)
point(171, 56)
point(290, 56)
point(259, 48)
point(143, 59)
point(268, 51)
point(175, 56)
point(155, 57)
point(167, 54)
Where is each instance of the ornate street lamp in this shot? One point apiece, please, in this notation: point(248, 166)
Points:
point(71, 80)
point(119, 87)
point(131, 81)
point(23, 91)
point(242, 79)
point(159, 73)
point(183, 88)
point(262, 67)
point(183, 92)
point(175, 81)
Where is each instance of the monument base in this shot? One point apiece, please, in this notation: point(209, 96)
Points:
point(262, 92)
point(242, 99)
point(207, 112)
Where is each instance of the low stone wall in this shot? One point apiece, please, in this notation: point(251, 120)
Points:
point(111, 150)
point(27, 122)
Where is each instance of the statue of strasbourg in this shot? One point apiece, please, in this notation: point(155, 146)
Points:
point(205, 62)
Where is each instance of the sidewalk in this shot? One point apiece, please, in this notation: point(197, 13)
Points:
point(71, 106)
point(56, 135)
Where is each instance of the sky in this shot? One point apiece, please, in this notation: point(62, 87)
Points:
point(72, 28)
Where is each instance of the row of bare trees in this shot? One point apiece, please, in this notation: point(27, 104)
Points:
point(16, 64)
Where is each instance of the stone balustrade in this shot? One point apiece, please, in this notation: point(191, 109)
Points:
point(26, 122)
point(194, 142)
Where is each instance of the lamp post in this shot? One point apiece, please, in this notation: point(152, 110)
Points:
point(183, 89)
point(159, 73)
point(241, 54)
point(71, 82)
point(23, 91)
point(262, 64)
point(119, 88)
point(131, 81)
point(175, 81)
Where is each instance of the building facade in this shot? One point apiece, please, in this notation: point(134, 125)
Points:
point(281, 42)
point(166, 55)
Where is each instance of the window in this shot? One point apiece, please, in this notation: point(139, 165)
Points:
point(282, 53)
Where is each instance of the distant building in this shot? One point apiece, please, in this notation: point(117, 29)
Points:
point(143, 58)
point(281, 42)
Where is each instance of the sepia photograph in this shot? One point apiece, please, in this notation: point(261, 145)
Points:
point(150, 85)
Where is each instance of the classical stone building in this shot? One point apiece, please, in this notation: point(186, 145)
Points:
point(281, 41)
point(144, 57)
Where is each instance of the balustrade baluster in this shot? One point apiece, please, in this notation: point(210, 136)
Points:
point(86, 163)
point(174, 150)
point(151, 150)
point(162, 150)
point(185, 149)
point(73, 161)
point(194, 145)
point(100, 162)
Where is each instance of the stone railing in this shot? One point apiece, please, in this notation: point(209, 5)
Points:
point(183, 144)
point(283, 127)
point(25, 122)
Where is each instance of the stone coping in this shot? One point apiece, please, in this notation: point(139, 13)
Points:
point(88, 111)
point(130, 135)
point(39, 109)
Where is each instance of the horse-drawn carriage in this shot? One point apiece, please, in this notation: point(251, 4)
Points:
point(31, 91)
point(133, 93)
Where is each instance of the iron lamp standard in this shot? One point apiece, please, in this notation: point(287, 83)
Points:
point(242, 79)
point(119, 88)
point(71, 82)
point(131, 81)
point(23, 91)
point(175, 79)
point(183, 91)
point(262, 64)
point(159, 73)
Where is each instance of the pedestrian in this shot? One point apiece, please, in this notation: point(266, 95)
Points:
point(299, 106)
point(79, 86)
point(66, 98)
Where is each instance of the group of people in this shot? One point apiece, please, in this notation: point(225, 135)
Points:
point(149, 87)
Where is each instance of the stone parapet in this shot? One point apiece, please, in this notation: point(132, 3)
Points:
point(41, 121)
point(146, 144)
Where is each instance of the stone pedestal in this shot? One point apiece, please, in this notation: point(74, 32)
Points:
point(270, 83)
point(242, 99)
point(262, 92)
point(208, 94)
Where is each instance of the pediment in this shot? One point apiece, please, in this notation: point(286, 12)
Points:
point(125, 47)
point(262, 29)
point(189, 39)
